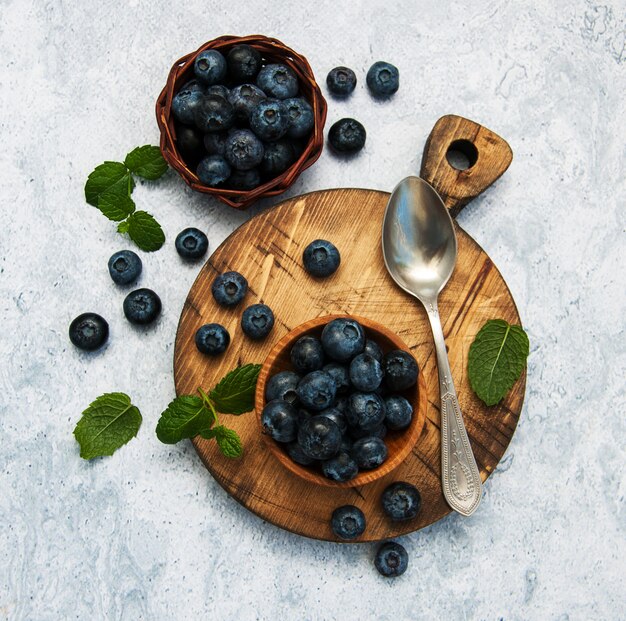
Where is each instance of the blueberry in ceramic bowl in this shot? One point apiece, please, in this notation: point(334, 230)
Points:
point(244, 99)
point(244, 63)
point(243, 150)
point(214, 114)
point(210, 67)
point(213, 170)
point(269, 120)
point(278, 80)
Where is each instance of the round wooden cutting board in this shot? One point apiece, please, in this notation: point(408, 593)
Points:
point(267, 250)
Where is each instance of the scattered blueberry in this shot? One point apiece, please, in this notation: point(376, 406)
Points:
point(244, 99)
point(215, 143)
point(319, 437)
point(142, 306)
point(229, 288)
point(89, 331)
point(191, 243)
point(348, 522)
point(340, 374)
point(213, 170)
point(391, 559)
point(366, 410)
point(214, 114)
point(210, 67)
point(336, 416)
point(189, 143)
point(218, 89)
point(212, 339)
point(316, 391)
point(277, 158)
point(401, 501)
point(321, 258)
point(279, 420)
point(294, 450)
point(366, 374)
point(400, 369)
point(373, 349)
point(343, 339)
point(278, 81)
point(282, 386)
point(383, 79)
point(340, 468)
point(124, 267)
point(369, 452)
point(301, 119)
point(185, 102)
point(257, 321)
point(269, 120)
point(244, 179)
point(243, 149)
point(243, 62)
point(341, 81)
point(307, 354)
point(399, 412)
point(347, 136)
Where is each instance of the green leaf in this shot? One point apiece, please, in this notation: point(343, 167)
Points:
point(108, 423)
point(147, 162)
point(145, 231)
point(108, 177)
point(235, 392)
point(122, 227)
point(227, 439)
point(497, 358)
point(185, 417)
point(115, 206)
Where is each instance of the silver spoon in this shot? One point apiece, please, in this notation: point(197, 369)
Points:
point(419, 247)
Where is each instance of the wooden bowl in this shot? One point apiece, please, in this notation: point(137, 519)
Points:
point(271, 50)
point(399, 443)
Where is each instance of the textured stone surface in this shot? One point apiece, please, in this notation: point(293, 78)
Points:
point(147, 534)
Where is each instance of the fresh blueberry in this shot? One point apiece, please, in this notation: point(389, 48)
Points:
point(214, 114)
point(383, 79)
point(399, 412)
point(185, 102)
point(244, 99)
point(244, 179)
point(336, 416)
point(212, 339)
point(366, 374)
point(369, 452)
point(218, 89)
point(347, 136)
point(229, 288)
point(301, 119)
point(366, 410)
point(342, 339)
point(279, 420)
point(356, 433)
point(189, 143)
point(213, 170)
point(341, 81)
point(192, 85)
point(340, 468)
point(319, 437)
point(391, 559)
point(215, 143)
point(124, 267)
point(294, 450)
point(400, 369)
point(142, 306)
point(269, 120)
point(340, 374)
point(277, 158)
point(278, 81)
point(307, 354)
point(191, 243)
point(89, 331)
point(401, 501)
point(257, 321)
point(210, 67)
point(243, 149)
point(282, 386)
point(316, 391)
point(373, 349)
point(321, 258)
point(243, 62)
point(348, 522)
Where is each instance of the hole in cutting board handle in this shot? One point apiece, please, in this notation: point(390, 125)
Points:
point(462, 154)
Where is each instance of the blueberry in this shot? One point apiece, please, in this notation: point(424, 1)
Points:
point(307, 354)
point(400, 369)
point(401, 501)
point(215, 143)
point(336, 416)
point(369, 452)
point(192, 85)
point(340, 468)
point(316, 390)
point(214, 114)
point(343, 339)
point(282, 386)
point(366, 410)
point(319, 437)
point(277, 158)
point(380, 431)
point(189, 144)
point(366, 374)
point(89, 331)
point(142, 306)
point(280, 421)
point(243, 149)
point(124, 267)
point(218, 89)
point(278, 81)
point(383, 79)
point(391, 559)
point(301, 119)
point(321, 258)
point(244, 179)
point(373, 349)
point(269, 120)
point(257, 321)
point(341, 81)
point(243, 62)
point(399, 412)
point(213, 170)
point(340, 374)
point(347, 136)
point(184, 104)
point(191, 243)
point(210, 67)
point(244, 99)
point(229, 288)
point(348, 522)
point(212, 339)
point(294, 450)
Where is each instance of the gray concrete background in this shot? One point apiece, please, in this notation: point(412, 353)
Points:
point(147, 533)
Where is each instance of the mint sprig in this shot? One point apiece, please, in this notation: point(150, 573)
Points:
point(146, 162)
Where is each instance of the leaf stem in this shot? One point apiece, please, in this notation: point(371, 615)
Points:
point(209, 403)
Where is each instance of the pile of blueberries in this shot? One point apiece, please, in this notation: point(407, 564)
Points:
point(240, 122)
point(337, 405)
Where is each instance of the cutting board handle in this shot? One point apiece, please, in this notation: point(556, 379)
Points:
point(487, 154)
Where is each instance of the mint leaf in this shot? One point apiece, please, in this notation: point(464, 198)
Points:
point(227, 439)
point(108, 423)
point(147, 162)
point(184, 417)
point(145, 231)
point(116, 206)
point(110, 176)
point(235, 392)
point(496, 359)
